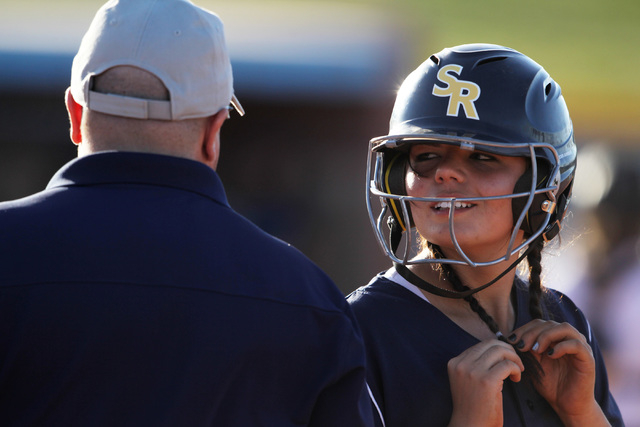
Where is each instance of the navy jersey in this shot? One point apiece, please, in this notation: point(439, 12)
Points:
point(131, 294)
point(409, 343)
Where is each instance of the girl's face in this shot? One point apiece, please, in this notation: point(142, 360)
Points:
point(482, 228)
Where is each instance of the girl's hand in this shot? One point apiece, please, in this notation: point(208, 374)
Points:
point(569, 368)
point(476, 377)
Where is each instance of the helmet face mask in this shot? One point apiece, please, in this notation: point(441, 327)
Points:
point(477, 97)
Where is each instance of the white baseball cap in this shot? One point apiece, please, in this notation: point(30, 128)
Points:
point(178, 42)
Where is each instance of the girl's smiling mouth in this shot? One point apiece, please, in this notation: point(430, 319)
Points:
point(447, 205)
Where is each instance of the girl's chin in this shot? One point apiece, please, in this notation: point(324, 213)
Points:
point(475, 253)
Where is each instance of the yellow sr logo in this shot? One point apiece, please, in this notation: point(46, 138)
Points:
point(461, 93)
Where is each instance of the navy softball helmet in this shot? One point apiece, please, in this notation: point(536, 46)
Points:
point(480, 97)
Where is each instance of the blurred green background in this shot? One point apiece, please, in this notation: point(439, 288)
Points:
point(591, 47)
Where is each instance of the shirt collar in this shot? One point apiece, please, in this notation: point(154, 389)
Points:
point(392, 275)
point(111, 167)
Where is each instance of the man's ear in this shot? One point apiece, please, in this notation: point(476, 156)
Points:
point(211, 140)
point(75, 117)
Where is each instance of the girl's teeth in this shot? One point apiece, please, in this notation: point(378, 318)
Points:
point(447, 205)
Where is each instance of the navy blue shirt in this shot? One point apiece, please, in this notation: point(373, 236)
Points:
point(131, 294)
point(409, 343)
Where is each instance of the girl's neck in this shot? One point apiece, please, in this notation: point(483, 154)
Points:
point(496, 299)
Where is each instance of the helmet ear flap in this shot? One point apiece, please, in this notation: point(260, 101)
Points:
point(554, 225)
point(393, 182)
point(535, 216)
point(393, 178)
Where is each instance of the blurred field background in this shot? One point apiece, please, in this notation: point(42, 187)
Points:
point(318, 79)
point(590, 47)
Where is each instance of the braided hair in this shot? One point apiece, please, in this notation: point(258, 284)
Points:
point(533, 370)
point(534, 259)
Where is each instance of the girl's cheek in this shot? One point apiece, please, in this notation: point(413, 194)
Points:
point(412, 183)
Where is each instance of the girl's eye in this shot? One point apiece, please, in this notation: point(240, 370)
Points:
point(424, 157)
point(422, 163)
point(483, 157)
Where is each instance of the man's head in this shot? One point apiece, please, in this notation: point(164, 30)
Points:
point(152, 64)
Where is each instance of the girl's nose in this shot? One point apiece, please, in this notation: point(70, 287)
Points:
point(449, 169)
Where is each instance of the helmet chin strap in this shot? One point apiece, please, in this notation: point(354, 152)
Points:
point(426, 286)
